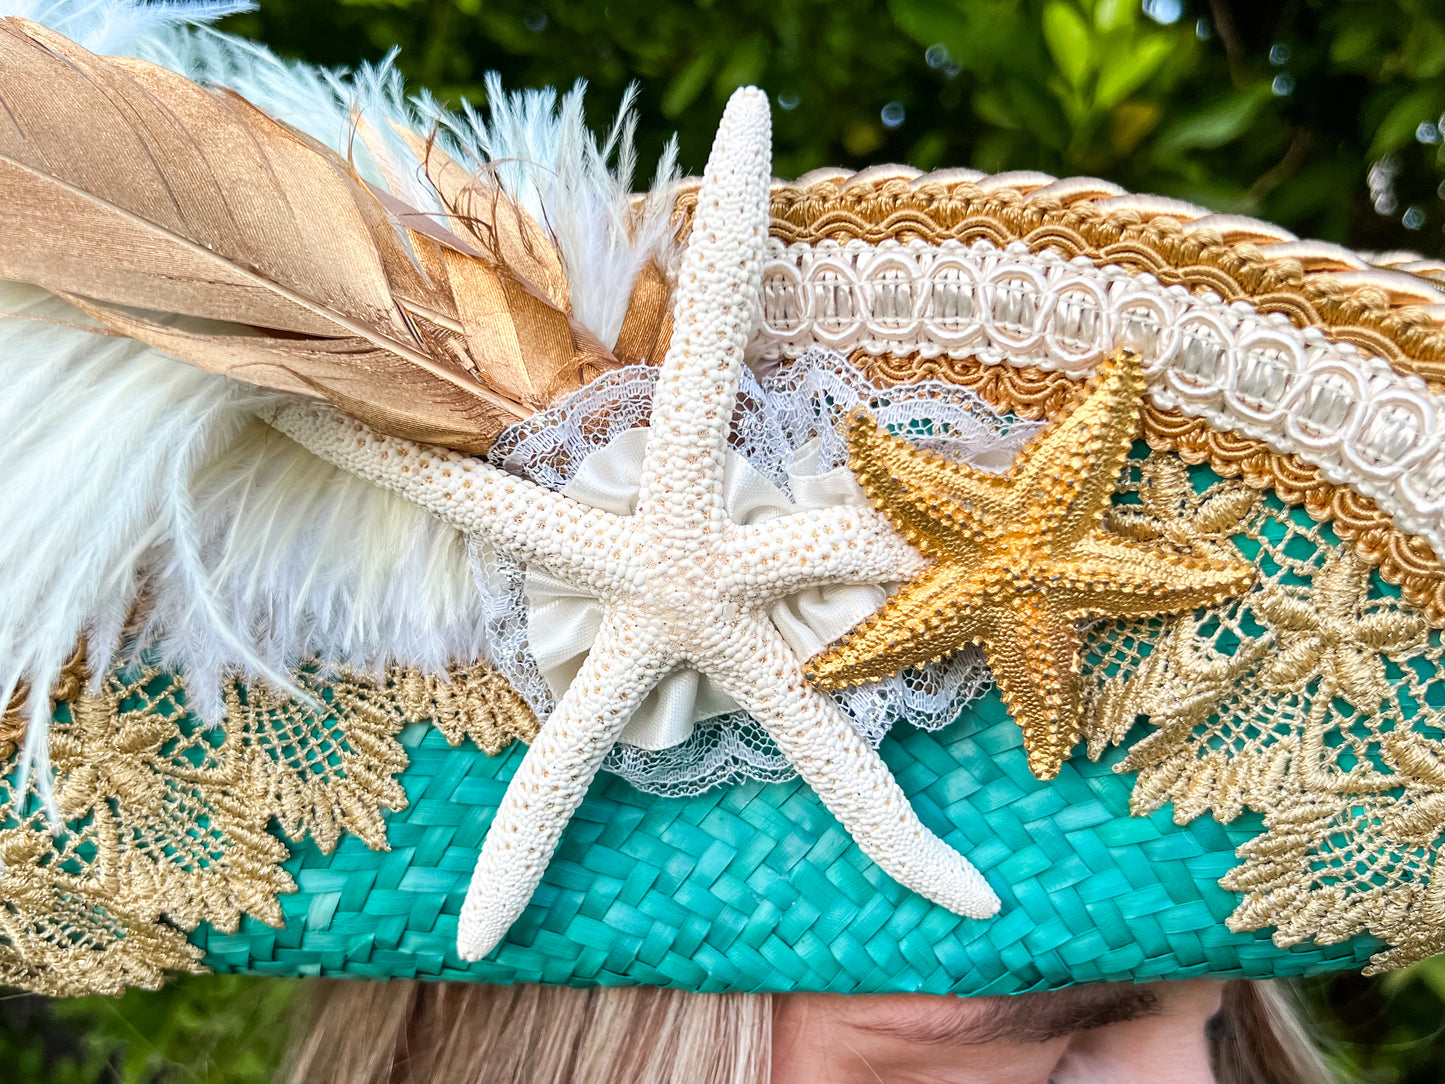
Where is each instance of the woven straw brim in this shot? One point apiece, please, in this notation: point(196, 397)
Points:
point(757, 887)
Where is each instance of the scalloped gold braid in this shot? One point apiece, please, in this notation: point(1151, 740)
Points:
point(163, 828)
point(1403, 559)
point(1395, 326)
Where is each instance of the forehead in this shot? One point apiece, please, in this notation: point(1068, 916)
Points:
point(1023, 1018)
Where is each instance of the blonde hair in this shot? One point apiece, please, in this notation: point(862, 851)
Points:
point(437, 1033)
point(1261, 1036)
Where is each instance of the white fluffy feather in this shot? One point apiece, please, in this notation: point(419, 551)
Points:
point(116, 26)
point(129, 474)
point(581, 189)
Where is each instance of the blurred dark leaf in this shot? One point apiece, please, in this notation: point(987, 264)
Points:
point(1386, 1030)
point(199, 1029)
point(1423, 105)
point(1222, 121)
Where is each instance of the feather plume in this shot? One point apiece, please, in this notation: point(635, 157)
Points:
point(470, 201)
point(117, 26)
point(130, 476)
point(535, 146)
point(126, 187)
point(544, 157)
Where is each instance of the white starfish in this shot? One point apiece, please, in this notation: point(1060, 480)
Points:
point(681, 584)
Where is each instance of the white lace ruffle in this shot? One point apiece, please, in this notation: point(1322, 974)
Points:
point(789, 422)
point(564, 621)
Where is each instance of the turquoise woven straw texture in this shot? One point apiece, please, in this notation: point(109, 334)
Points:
point(757, 887)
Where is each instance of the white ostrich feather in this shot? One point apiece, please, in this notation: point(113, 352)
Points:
point(115, 27)
point(130, 475)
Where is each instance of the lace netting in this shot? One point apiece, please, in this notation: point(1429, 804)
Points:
point(775, 417)
point(162, 822)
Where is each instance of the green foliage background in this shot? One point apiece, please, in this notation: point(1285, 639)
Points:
point(1269, 108)
point(1322, 116)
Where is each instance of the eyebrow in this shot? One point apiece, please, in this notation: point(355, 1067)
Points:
point(1025, 1018)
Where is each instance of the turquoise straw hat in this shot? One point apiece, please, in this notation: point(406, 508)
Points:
point(444, 563)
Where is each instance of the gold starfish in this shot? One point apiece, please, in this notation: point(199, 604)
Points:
point(1017, 558)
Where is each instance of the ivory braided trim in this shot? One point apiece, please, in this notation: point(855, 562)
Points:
point(1393, 306)
point(1353, 417)
point(1350, 418)
point(1403, 559)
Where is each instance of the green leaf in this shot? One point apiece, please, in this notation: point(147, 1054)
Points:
point(1121, 76)
point(1019, 104)
point(928, 152)
point(1398, 127)
point(744, 66)
point(1357, 48)
point(1221, 122)
point(1424, 51)
point(926, 20)
point(981, 35)
point(688, 83)
point(1067, 36)
point(1114, 14)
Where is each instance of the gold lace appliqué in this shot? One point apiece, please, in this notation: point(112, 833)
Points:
point(163, 822)
point(473, 702)
point(1317, 700)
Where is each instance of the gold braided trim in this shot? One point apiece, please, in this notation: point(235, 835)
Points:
point(165, 821)
point(1384, 314)
point(1403, 559)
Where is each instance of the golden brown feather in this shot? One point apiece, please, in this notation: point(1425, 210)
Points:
point(134, 192)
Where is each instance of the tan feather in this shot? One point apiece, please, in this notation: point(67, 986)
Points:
point(125, 187)
point(647, 328)
point(479, 211)
point(529, 267)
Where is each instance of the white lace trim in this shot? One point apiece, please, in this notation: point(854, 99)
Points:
point(1363, 424)
point(775, 418)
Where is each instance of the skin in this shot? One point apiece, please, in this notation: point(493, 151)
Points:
point(1111, 1034)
